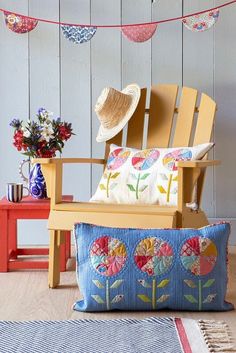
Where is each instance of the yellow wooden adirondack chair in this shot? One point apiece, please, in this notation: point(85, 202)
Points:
point(64, 215)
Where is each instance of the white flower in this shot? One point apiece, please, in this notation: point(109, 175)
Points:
point(26, 133)
point(47, 132)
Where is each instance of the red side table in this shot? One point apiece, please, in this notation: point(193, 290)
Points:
point(28, 208)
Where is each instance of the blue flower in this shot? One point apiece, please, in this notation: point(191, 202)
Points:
point(16, 123)
point(42, 111)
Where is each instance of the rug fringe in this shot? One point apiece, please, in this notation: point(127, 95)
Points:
point(217, 336)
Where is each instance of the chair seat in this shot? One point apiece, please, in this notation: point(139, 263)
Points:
point(117, 208)
point(111, 215)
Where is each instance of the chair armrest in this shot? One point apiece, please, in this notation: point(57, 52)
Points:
point(198, 164)
point(191, 173)
point(52, 169)
point(68, 160)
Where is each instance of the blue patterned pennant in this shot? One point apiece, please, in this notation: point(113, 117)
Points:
point(78, 34)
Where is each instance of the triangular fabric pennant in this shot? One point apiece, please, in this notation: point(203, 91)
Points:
point(140, 33)
point(201, 22)
point(78, 34)
point(19, 24)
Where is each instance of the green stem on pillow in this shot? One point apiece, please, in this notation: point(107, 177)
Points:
point(108, 183)
point(107, 295)
point(169, 186)
point(137, 186)
point(199, 295)
point(154, 294)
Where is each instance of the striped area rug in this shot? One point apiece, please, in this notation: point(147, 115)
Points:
point(150, 335)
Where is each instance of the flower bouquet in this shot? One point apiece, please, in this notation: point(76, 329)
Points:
point(40, 138)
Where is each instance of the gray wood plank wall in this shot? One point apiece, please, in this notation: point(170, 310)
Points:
point(44, 69)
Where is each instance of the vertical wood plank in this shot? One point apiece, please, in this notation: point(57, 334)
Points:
point(162, 107)
point(105, 65)
point(75, 70)
point(185, 117)
point(198, 72)
point(136, 123)
point(44, 58)
point(14, 91)
point(167, 44)
point(205, 122)
point(225, 127)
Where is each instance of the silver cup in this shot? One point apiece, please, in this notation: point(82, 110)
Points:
point(14, 192)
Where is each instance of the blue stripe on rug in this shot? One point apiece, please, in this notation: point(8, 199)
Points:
point(151, 335)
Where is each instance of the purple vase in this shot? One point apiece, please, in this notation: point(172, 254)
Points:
point(37, 184)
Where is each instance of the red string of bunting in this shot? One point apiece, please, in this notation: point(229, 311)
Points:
point(120, 25)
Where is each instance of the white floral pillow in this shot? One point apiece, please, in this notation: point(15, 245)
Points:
point(144, 176)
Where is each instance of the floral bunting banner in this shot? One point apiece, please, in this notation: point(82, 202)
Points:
point(19, 24)
point(78, 35)
point(137, 32)
point(202, 22)
point(140, 33)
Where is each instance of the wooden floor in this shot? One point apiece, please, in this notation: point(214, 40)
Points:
point(24, 295)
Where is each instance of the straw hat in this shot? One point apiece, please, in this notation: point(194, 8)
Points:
point(114, 109)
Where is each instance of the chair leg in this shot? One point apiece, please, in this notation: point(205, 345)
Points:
point(54, 259)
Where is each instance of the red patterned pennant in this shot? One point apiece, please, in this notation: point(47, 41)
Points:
point(19, 24)
point(140, 33)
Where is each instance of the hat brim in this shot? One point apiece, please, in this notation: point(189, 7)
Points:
point(105, 134)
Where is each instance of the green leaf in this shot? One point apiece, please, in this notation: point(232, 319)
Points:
point(144, 298)
point(133, 176)
point(102, 186)
point(144, 283)
point(115, 175)
point(97, 298)
point(163, 298)
point(190, 298)
point(161, 189)
point(163, 283)
point(131, 188)
point(98, 283)
point(143, 188)
point(117, 298)
point(113, 185)
point(163, 176)
point(175, 178)
point(144, 176)
point(190, 283)
point(117, 283)
point(209, 298)
point(209, 283)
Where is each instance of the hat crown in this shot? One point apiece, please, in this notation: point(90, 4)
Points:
point(112, 105)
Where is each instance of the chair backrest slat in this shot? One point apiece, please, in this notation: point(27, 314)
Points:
point(117, 140)
point(161, 113)
point(206, 115)
point(136, 124)
point(185, 117)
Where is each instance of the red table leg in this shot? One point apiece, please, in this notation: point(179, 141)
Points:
point(3, 241)
point(12, 238)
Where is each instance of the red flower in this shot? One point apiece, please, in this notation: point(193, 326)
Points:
point(18, 140)
point(46, 153)
point(64, 132)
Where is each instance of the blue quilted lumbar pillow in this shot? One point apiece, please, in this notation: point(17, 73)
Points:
point(152, 269)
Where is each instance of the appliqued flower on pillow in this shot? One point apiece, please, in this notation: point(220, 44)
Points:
point(167, 181)
point(147, 176)
point(141, 162)
point(115, 161)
